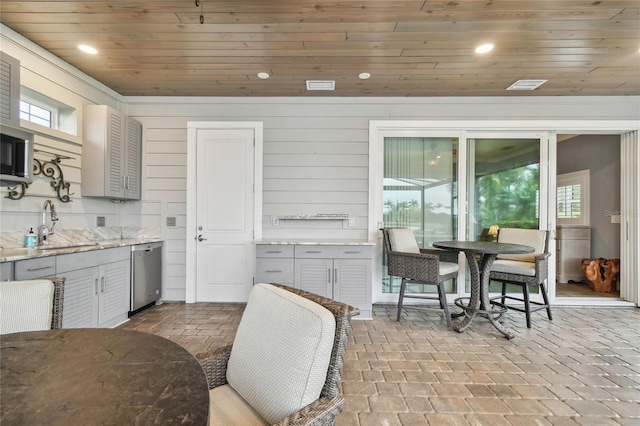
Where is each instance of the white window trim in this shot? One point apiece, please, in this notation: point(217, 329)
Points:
point(40, 104)
point(581, 178)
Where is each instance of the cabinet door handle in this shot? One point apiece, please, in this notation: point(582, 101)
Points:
point(39, 268)
point(102, 284)
point(335, 275)
point(329, 275)
point(96, 286)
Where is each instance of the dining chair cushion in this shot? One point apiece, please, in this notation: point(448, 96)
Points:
point(281, 352)
point(529, 237)
point(445, 268)
point(403, 240)
point(25, 305)
point(227, 408)
point(514, 267)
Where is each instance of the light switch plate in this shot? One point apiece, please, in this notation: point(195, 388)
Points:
point(101, 221)
point(171, 221)
point(275, 221)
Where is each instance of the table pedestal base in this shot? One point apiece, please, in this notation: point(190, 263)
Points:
point(479, 302)
point(469, 312)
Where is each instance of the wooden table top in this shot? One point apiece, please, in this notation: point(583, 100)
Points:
point(99, 376)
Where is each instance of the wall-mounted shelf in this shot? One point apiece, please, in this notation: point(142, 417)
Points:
point(315, 217)
point(348, 221)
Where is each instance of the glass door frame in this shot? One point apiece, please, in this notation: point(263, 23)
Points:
point(379, 130)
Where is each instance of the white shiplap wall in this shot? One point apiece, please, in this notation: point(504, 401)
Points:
point(315, 152)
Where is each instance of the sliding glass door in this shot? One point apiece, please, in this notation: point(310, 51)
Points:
point(420, 193)
point(457, 185)
point(503, 185)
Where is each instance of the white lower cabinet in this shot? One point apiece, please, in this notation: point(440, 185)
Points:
point(80, 307)
point(342, 273)
point(98, 294)
point(274, 264)
point(573, 243)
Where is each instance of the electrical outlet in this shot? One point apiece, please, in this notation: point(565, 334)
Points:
point(171, 221)
point(352, 222)
point(101, 221)
point(275, 221)
point(615, 218)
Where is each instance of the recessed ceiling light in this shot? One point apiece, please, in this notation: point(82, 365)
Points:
point(526, 84)
point(263, 75)
point(364, 76)
point(484, 48)
point(88, 49)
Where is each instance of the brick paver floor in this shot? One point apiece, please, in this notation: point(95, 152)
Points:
point(582, 368)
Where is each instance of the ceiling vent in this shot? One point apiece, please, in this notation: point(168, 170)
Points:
point(526, 84)
point(321, 85)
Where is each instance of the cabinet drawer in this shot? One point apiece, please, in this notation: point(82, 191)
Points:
point(88, 259)
point(274, 250)
point(330, 252)
point(35, 268)
point(274, 271)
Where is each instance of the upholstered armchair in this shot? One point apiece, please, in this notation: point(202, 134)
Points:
point(523, 270)
point(31, 305)
point(419, 266)
point(285, 364)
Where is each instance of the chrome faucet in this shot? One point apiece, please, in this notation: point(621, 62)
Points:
point(43, 230)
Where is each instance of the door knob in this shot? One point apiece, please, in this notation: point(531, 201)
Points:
point(201, 238)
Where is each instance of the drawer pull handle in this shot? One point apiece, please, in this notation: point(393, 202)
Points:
point(273, 271)
point(313, 251)
point(273, 251)
point(40, 268)
point(352, 252)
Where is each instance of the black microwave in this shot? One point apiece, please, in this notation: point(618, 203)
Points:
point(16, 156)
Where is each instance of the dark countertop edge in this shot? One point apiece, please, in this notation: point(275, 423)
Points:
point(21, 253)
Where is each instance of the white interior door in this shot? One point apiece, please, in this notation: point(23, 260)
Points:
point(224, 214)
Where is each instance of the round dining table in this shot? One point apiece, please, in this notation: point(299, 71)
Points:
point(480, 256)
point(99, 377)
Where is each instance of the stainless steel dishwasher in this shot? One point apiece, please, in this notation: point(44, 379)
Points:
point(146, 275)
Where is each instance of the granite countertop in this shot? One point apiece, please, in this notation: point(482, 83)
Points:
point(318, 242)
point(100, 376)
point(22, 253)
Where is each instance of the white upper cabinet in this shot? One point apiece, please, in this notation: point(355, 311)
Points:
point(111, 154)
point(10, 90)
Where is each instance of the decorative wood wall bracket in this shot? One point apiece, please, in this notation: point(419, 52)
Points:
point(51, 169)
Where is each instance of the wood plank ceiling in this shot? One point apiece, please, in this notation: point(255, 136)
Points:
point(410, 48)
